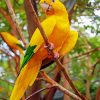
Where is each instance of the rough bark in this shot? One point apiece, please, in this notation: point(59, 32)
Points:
point(30, 23)
point(50, 94)
point(65, 83)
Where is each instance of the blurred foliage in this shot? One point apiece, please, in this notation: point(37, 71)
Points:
point(86, 19)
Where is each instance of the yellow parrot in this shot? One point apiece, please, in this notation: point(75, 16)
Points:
point(57, 29)
point(12, 42)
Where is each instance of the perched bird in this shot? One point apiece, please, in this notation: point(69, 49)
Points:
point(12, 42)
point(57, 29)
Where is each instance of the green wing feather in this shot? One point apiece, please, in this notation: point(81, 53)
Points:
point(29, 53)
point(22, 47)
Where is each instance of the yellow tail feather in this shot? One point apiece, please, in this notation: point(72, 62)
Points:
point(27, 76)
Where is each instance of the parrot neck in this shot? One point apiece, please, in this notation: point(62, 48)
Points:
point(62, 14)
point(59, 14)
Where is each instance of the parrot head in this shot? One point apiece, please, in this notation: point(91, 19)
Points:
point(51, 7)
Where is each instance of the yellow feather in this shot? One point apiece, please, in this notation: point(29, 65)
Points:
point(11, 41)
point(69, 42)
point(9, 38)
point(27, 75)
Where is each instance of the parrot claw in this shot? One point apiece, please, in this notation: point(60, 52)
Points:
point(56, 55)
point(50, 46)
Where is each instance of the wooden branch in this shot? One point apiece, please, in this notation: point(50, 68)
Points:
point(71, 10)
point(10, 66)
point(69, 80)
point(94, 66)
point(86, 53)
point(35, 5)
point(49, 87)
point(16, 58)
point(17, 61)
point(13, 16)
point(4, 51)
point(6, 81)
point(57, 77)
point(8, 18)
point(53, 83)
point(83, 54)
point(30, 23)
point(37, 22)
point(9, 55)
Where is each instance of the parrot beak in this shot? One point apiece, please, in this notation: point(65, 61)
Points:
point(47, 8)
point(44, 6)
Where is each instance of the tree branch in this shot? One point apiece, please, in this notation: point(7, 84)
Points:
point(7, 53)
point(13, 16)
point(30, 23)
point(86, 53)
point(53, 83)
point(38, 92)
point(16, 58)
point(8, 18)
point(6, 81)
point(57, 77)
point(94, 66)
